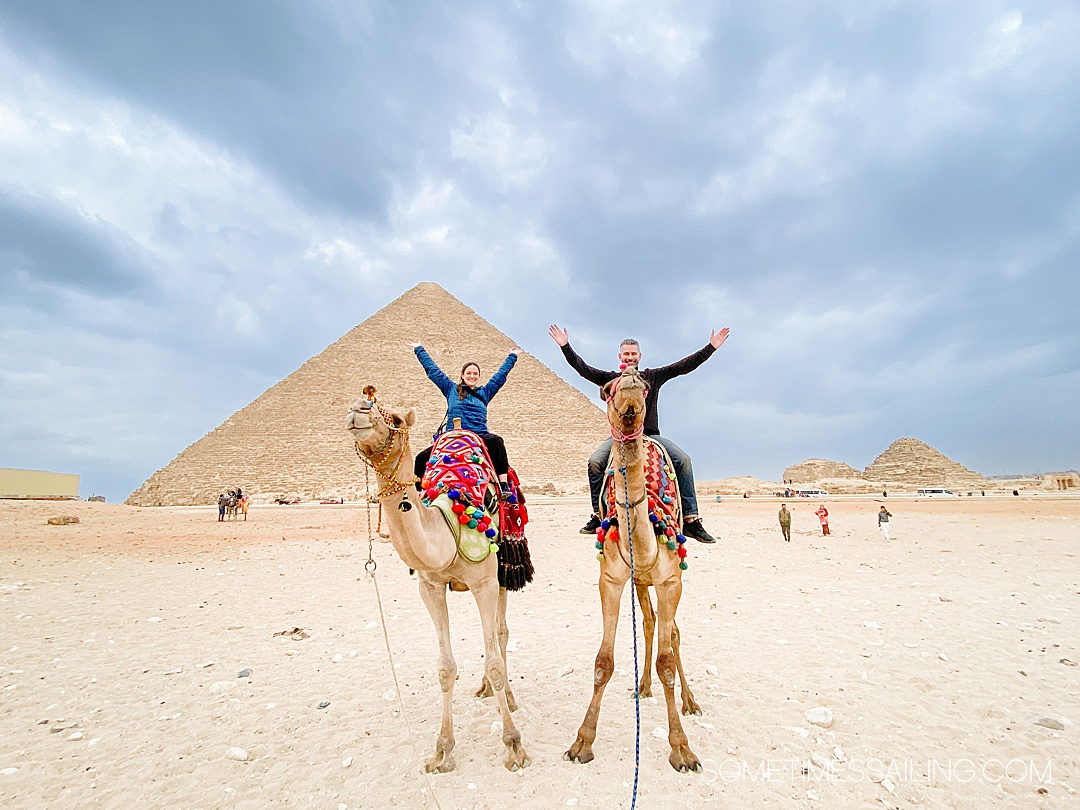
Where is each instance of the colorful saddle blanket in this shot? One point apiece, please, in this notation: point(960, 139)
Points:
point(460, 482)
point(662, 489)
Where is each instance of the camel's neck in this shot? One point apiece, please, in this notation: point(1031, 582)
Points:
point(419, 534)
point(631, 490)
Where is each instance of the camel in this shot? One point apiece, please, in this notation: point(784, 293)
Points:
point(648, 626)
point(424, 542)
point(625, 396)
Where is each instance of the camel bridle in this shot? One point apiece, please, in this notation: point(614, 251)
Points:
point(622, 439)
point(617, 434)
point(382, 456)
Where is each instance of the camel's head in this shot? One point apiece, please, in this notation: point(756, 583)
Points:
point(625, 397)
point(373, 427)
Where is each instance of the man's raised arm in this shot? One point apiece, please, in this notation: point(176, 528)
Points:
point(688, 364)
point(593, 375)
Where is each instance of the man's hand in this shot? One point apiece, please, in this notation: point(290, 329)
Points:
point(560, 336)
point(716, 339)
point(412, 345)
point(516, 350)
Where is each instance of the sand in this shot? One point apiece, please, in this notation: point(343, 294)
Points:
point(139, 647)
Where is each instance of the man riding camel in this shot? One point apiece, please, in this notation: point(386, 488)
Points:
point(630, 355)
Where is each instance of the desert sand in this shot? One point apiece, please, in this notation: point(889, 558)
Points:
point(142, 645)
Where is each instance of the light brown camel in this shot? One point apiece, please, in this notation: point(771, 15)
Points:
point(648, 626)
point(625, 397)
point(425, 543)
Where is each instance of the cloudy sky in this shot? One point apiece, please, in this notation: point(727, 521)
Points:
point(880, 199)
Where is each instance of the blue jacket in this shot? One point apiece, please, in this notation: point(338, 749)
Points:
point(472, 411)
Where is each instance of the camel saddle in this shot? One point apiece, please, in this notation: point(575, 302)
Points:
point(460, 482)
point(661, 487)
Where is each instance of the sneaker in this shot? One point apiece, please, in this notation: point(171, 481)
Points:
point(591, 526)
point(693, 528)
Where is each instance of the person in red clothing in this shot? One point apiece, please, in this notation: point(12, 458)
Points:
point(823, 515)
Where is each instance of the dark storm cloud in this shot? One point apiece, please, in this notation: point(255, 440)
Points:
point(880, 198)
point(47, 248)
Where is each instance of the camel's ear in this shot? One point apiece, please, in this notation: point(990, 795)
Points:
point(410, 417)
point(605, 390)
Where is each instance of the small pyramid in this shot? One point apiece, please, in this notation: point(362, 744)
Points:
point(291, 440)
point(910, 462)
point(817, 469)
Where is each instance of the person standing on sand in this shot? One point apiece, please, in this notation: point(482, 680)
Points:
point(785, 522)
point(883, 521)
point(823, 516)
point(221, 502)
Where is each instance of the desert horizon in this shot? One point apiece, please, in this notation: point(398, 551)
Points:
point(152, 657)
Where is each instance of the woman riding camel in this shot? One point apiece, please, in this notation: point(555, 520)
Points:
point(467, 400)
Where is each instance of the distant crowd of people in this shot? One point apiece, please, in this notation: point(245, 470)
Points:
point(822, 514)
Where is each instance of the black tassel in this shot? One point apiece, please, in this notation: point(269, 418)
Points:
point(515, 564)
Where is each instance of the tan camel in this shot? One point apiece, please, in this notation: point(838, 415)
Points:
point(648, 626)
point(424, 542)
point(625, 397)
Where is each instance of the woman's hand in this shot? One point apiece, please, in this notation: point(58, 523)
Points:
point(516, 350)
point(412, 345)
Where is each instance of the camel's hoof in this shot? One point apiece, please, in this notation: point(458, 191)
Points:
point(691, 707)
point(516, 758)
point(485, 690)
point(683, 760)
point(440, 763)
point(645, 690)
point(579, 753)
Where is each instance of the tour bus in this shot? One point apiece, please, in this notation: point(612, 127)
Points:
point(937, 492)
point(810, 493)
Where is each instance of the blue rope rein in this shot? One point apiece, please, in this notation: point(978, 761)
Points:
point(633, 625)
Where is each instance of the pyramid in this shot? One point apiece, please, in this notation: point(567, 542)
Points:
point(909, 462)
point(816, 469)
point(290, 442)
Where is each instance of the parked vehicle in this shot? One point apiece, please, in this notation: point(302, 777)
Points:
point(937, 492)
point(809, 493)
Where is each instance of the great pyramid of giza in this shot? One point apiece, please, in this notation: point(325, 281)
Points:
point(912, 463)
point(290, 441)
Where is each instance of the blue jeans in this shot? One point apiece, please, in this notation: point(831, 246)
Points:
point(684, 473)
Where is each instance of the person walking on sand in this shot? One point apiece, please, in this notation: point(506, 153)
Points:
point(883, 521)
point(785, 521)
point(823, 516)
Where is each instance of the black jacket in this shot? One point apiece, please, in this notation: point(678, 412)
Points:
point(654, 378)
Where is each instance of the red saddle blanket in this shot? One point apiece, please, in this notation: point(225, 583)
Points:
point(460, 480)
point(661, 487)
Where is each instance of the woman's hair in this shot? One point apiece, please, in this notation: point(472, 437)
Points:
point(462, 388)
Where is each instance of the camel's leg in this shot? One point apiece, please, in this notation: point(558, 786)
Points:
point(504, 637)
point(486, 594)
point(689, 705)
point(682, 758)
point(648, 626)
point(611, 591)
point(434, 596)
